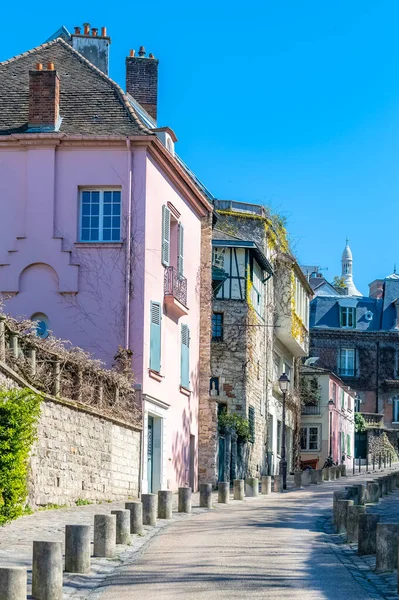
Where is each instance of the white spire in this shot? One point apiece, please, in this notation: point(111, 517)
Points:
point(347, 262)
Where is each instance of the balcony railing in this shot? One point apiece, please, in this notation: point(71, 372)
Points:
point(311, 409)
point(373, 420)
point(175, 285)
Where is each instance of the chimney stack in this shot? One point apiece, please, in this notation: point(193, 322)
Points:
point(142, 80)
point(44, 97)
point(376, 288)
point(94, 47)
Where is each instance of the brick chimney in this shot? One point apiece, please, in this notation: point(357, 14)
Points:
point(376, 288)
point(92, 46)
point(44, 97)
point(142, 80)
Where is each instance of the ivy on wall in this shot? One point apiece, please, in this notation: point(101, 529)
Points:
point(232, 422)
point(19, 413)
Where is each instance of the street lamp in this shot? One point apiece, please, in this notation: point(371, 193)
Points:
point(331, 403)
point(283, 383)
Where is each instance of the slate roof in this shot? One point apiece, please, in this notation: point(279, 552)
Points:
point(90, 102)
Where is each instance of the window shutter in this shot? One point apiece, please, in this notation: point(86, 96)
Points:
point(180, 244)
point(155, 337)
point(185, 356)
point(165, 236)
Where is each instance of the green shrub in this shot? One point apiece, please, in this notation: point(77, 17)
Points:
point(232, 422)
point(360, 423)
point(19, 412)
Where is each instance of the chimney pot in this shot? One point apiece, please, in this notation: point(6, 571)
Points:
point(104, 31)
point(50, 66)
point(94, 48)
point(132, 53)
point(86, 30)
point(94, 31)
point(77, 30)
point(39, 67)
point(151, 55)
point(141, 51)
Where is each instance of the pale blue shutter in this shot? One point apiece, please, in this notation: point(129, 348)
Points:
point(155, 337)
point(180, 244)
point(165, 236)
point(185, 356)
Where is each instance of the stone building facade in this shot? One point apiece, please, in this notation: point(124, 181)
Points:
point(259, 329)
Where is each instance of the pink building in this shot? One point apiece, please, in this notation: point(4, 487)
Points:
point(328, 417)
point(101, 228)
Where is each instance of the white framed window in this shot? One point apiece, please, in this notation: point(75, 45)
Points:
point(310, 438)
point(346, 364)
point(100, 215)
point(348, 316)
point(395, 409)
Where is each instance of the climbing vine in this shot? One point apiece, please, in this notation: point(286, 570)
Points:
point(233, 422)
point(360, 423)
point(19, 413)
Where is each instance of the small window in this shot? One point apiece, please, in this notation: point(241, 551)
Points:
point(100, 216)
point(217, 327)
point(251, 421)
point(334, 392)
point(348, 316)
point(348, 445)
point(218, 257)
point(310, 438)
point(395, 410)
point(42, 325)
point(342, 399)
point(347, 362)
point(185, 357)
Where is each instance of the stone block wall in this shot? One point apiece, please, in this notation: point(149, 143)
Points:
point(82, 456)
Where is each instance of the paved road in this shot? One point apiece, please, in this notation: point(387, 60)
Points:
point(270, 547)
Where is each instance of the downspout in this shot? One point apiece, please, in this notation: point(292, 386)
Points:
point(128, 245)
point(377, 376)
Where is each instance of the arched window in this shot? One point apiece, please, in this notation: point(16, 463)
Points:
point(42, 325)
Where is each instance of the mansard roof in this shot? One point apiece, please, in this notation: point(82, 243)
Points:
point(90, 102)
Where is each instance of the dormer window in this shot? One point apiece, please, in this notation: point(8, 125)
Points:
point(348, 316)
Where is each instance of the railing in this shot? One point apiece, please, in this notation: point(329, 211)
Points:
point(175, 285)
point(311, 409)
point(257, 209)
point(373, 420)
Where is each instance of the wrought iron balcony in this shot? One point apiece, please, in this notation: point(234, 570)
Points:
point(311, 409)
point(175, 287)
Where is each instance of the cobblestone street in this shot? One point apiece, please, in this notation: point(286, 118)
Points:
point(272, 546)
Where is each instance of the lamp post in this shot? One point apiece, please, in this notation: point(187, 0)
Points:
point(283, 383)
point(331, 403)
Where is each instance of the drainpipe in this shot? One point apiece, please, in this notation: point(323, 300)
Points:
point(377, 376)
point(128, 244)
point(139, 391)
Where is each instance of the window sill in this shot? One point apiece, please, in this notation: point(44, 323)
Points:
point(395, 422)
point(185, 391)
point(155, 375)
point(98, 244)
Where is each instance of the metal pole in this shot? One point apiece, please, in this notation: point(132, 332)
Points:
point(379, 461)
point(390, 460)
point(359, 464)
point(367, 463)
point(283, 450)
point(373, 462)
point(385, 461)
point(354, 462)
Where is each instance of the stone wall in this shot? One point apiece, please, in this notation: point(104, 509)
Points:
point(208, 429)
point(79, 454)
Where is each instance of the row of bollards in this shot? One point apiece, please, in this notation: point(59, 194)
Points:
point(350, 517)
point(109, 530)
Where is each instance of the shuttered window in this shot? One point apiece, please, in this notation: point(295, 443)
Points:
point(180, 243)
point(185, 356)
point(155, 337)
point(165, 236)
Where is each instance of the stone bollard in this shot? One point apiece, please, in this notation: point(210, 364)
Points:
point(319, 475)
point(343, 470)
point(338, 495)
point(341, 516)
point(305, 476)
point(252, 487)
point(361, 493)
point(184, 503)
point(77, 548)
point(380, 487)
point(165, 501)
point(47, 570)
point(373, 492)
point(298, 479)
point(333, 473)
point(206, 495)
point(338, 472)
point(278, 483)
point(104, 536)
point(314, 476)
point(149, 502)
point(13, 582)
point(387, 547)
point(223, 492)
point(122, 526)
point(326, 474)
point(384, 484)
point(390, 485)
point(367, 537)
point(352, 524)
point(239, 493)
point(136, 517)
point(266, 485)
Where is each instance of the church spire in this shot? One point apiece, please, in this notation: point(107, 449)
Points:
point(347, 275)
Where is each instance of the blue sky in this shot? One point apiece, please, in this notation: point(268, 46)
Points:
point(293, 104)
